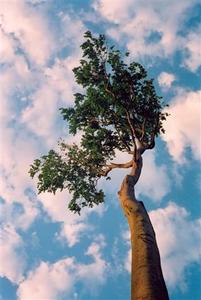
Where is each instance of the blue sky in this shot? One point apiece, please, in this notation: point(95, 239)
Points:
point(46, 252)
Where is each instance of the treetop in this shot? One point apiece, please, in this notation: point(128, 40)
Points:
point(118, 109)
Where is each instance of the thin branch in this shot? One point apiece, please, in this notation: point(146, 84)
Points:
point(133, 134)
point(112, 166)
point(131, 126)
point(143, 129)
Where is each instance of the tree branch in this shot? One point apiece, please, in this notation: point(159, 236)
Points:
point(143, 129)
point(131, 126)
point(112, 166)
point(133, 134)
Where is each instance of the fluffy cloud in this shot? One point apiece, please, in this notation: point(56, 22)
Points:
point(178, 239)
point(179, 242)
point(16, 157)
point(72, 225)
point(57, 207)
point(165, 79)
point(71, 26)
point(192, 57)
point(94, 274)
point(15, 81)
point(114, 12)
point(51, 281)
point(154, 181)
point(48, 281)
point(73, 232)
point(150, 29)
point(25, 28)
point(11, 255)
point(40, 116)
point(183, 125)
point(6, 48)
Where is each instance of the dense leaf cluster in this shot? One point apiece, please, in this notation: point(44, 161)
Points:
point(118, 104)
point(73, 169)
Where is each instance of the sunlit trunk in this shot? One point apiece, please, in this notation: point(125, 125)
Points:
point(147, 282)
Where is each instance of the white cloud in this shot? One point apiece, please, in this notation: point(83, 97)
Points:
point(95, 273)
point(154, 181)
point(165, 79)
point(113, 11)
point(22, 28)
point(183, 126)
point(51, 281)
point(60, 78)
point(72, 29)
point(7, 53)
point(11, 255)
point(21, 213)
point(73, 232)
point(25, 28)
point(150, 29)
point(72, 225)
point(192, 57)
point(48, 281)
point(15, 80)
point(17, 154)
point(40, 116)
point(178, 239)
point(57, 207)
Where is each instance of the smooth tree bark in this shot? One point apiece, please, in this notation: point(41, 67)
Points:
point(147, 282)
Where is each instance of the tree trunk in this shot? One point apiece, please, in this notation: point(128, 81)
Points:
point(147, 282)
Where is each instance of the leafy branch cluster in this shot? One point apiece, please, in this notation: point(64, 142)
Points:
point(72, 169)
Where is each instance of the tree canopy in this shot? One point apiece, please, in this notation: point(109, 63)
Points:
point(118, 106)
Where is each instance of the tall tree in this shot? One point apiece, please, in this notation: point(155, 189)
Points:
point(117, 110)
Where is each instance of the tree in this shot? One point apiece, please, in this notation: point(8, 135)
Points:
point(117, 110)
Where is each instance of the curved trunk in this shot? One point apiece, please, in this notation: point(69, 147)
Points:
point(147, 282)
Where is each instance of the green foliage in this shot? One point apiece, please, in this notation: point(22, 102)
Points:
point(118, 104)
point(73, 169)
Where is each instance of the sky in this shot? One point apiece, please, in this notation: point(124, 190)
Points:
point(48, 253)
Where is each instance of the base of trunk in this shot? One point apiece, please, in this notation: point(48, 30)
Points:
point(147, 282)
